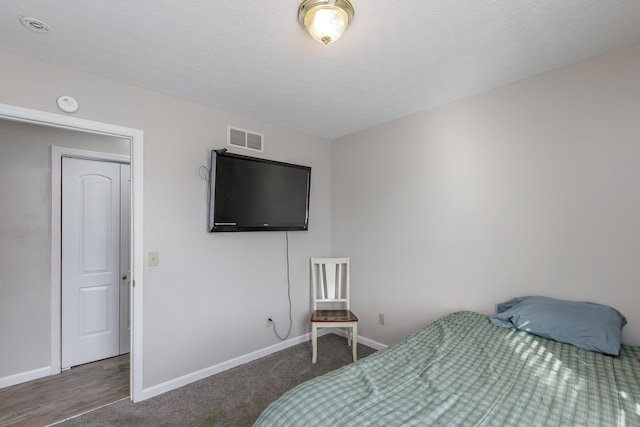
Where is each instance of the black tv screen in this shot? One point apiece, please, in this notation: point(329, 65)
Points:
point(252, 194)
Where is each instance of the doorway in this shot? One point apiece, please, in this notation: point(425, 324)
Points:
point(135, 136)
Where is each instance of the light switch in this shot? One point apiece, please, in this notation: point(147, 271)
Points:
point(154, 259)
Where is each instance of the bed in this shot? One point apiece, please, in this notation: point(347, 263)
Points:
point(463, 370)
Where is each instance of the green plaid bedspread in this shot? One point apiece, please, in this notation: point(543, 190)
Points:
point(462, 371)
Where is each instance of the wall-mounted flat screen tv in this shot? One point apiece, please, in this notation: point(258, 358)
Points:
point(252, 194)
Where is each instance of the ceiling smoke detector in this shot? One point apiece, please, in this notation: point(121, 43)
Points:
point(34, 24)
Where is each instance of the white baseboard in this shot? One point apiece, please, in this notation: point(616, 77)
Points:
point(240, 360)
point(220, 367)
point(201, 374)
point(371, 343)
point(361, 340)
point(23, 377)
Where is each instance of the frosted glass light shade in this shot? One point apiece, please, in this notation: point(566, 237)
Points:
point(325, 20)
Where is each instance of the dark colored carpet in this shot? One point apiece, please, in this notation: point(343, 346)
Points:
point(233, 398)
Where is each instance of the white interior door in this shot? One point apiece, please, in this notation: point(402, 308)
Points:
point(125, 260)
point(90, 260)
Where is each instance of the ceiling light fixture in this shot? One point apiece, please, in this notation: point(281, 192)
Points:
point(325, 20)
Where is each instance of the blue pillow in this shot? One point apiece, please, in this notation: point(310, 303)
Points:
point(587, 325)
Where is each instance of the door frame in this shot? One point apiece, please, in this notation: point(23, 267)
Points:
point(136, 138)
point(57, 153)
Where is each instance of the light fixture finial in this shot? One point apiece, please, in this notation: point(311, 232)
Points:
point(325, 20)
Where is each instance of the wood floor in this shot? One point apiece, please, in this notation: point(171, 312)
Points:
point(57, 397)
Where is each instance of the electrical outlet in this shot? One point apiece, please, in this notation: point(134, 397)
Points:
point(381, 318)
point(269, 321)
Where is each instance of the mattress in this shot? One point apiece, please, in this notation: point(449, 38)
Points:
point(463, 371)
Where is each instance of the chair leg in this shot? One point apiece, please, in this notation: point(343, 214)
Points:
point(314, 342)
point(354, 332)
point(349, 335)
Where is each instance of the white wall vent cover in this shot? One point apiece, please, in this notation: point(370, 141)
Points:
point(246, 139)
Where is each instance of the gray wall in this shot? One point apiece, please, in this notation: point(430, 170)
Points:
point(533, 188)
point(529, 189)
point(208, 300)
point(25, 237)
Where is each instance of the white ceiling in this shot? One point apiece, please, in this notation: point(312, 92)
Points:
point(251, 57)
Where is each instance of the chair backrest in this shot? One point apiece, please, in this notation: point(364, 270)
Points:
point(330, 282)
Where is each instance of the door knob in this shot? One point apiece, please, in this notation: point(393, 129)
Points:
point(124, 277)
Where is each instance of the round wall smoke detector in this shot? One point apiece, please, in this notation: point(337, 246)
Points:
point(34, 24)
point(67, 103)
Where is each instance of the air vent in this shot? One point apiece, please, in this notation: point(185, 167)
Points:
point(34, 24)
point(245, 139)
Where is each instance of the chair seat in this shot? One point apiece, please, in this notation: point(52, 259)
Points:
point(333, 316)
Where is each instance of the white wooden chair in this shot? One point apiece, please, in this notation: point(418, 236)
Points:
point(330, 291)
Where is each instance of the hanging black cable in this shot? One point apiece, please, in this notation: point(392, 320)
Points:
point(288, 295)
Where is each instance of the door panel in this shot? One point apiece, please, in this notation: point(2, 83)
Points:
point(94, 310)
point(90, 260)
point(95, 209)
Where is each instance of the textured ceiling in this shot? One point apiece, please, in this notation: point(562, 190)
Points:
point(252, 57)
